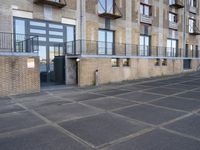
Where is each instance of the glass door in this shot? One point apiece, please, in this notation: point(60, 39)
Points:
point(106, 42)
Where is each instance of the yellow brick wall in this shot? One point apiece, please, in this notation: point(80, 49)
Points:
point(16, 78)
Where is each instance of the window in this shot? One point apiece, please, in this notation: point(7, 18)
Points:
point(105, 42)
point(39, 24)
point(115, 62)
point(192, 3)
point(145, 10)
point(191, 25)
point(144, 45)
point(106, 6)
point(56, 33)
point(38, 31)
point(20, 26)
point(157, 62)
point(171, 48)
point(173, 17)
point(55, 40)
point(172, 2)
point(126, 62)
point(164, 62)
point(55, 26)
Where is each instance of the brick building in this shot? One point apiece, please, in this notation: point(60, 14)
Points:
point(118, 39)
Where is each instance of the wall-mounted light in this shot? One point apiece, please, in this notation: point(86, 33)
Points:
point(77, 60)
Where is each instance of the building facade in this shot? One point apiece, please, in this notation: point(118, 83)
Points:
point(85, 41)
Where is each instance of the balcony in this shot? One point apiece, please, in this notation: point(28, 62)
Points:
point(194, 30)
point(173, 25)
point(145, 19)
point(109, 12)
point(107, 49)
point(193, 9)
point(18, 43)
point(176, 4)
point(56, 3)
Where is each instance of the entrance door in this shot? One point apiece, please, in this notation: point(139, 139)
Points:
point(50, 34)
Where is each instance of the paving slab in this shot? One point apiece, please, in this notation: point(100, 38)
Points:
point(66, 111)
point(178, 103)
point(44, 138)
point(16, 121)
point(164, 91)
point(181, 86)
point(36, 97)
point(140, 96)
point(112, 92)
point(154, 84)
point(102, 129)
point(8, 108)
point(44, 102)
point(157, 140)
point(192, 94)
point(109, 103)
point(135, 87)
point(83, 96)
point(149, 114)
point(189, 126)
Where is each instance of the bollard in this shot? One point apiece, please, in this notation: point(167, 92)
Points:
point(97, 77)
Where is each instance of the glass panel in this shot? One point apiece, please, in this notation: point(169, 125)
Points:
point(40, 24)
point(109, 42)
point(55, 26)
point(146, 10)
point(141, 9)
point(42, 38)
point(56, 33)
point(55, 40)
point(101, 43)
point(20, 26)
point(70, 33)
point(43, 59)
point(101, 6)
point(51, 58)
point(70, 39)
point(20, 33)
point(38, 31)
point(110, 6)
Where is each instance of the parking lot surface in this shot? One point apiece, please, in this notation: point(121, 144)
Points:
point(150, 114)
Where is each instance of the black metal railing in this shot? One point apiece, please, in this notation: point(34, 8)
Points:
point(11, 42)
point(86, 47)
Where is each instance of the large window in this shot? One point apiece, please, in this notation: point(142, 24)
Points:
point(191, 25)
point(171, 47)
point(106, 42)
point(106, 6)
point(173, 17)
point(144, 45)
point(192, 3)
point(145, 10)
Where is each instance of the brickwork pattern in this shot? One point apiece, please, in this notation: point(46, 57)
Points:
point(16, 78)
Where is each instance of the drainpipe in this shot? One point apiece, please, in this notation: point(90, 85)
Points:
point(81, 26)
point(184, 28)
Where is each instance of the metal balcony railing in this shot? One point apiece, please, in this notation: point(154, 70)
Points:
point(11, 42)
point(194, 30)
point(173, 25)
point(145, 19)
point(86, 47)
point(176, 4)
point(109, 12)
point(56, 3)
